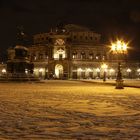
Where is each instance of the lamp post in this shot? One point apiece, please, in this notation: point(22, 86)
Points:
point(119, 47)
point(104, 67)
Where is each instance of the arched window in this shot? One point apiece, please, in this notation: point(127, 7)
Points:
point(33, 57)
point(104, 57)
point(74, 55)
point(46, 55)
point(40, 56)
point(90, 55)
point(98, 56)
point(83, 55)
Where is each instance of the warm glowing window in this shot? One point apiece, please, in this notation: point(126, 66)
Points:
point(74, 55)
point(91, 56)
point(83, 55)
point(59, 53)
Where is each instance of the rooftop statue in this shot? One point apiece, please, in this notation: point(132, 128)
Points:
point(21, 36)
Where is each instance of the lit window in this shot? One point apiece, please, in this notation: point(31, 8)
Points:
point(97, 70)
point(35, 57)
point(111, 70)
point(83, 55)
point(74, 55)
point(26, 71)
point(3, 71)
point(138, 70)
point(40, 56)
point(91, 56)
point(41, 70)
point(128, 70)
point(88, 70)
point(103, 57)
point(97, 57)
point(79, 69)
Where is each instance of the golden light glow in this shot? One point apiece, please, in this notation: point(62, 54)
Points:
point(40, 70)
point(119, 46)
point(104, 66)
point(112, 70)
point(3, 70)
point(113, 47)
point(88, 69)
point(58, 71)
point(79, 69)
point(129, 70)
point(97, 70)
point(138, 70)
point(26, 71)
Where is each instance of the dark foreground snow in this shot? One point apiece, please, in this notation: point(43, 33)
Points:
point(68, 110)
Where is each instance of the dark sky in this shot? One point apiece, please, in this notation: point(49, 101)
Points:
point(111, 18)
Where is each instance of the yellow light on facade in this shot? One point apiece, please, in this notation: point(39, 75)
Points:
point(89, 70)
point(104, 66)
point(111, 70)
point(3, 71)
point(97, 70)
point(80, 70)
point(26, 71)
point(138, 70)
point(41, 70)
point(129, 70)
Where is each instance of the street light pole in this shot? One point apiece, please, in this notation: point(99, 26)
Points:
point(104, 78)
point(119, 80)
point(119, 47)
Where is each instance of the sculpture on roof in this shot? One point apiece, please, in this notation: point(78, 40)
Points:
point(21, 37)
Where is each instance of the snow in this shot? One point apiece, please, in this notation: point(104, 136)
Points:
point(68, 110)
point(126, 82)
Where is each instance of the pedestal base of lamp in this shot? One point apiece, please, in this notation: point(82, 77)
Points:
point(119, 84)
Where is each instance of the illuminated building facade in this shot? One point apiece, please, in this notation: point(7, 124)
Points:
point(69, 52)
point(74, 52)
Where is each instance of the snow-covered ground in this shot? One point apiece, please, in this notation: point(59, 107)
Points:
point(126, 82)
point(66, 110)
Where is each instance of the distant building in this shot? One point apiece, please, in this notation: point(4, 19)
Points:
point(74, 52)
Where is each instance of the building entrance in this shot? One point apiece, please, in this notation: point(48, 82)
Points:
point(59, 71)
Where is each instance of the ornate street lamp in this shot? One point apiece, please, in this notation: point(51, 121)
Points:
point(104, 67)
point(119, 47)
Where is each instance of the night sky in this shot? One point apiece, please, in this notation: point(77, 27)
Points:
point(111, 18)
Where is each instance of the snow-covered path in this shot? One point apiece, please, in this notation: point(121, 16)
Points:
point(68, 110)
